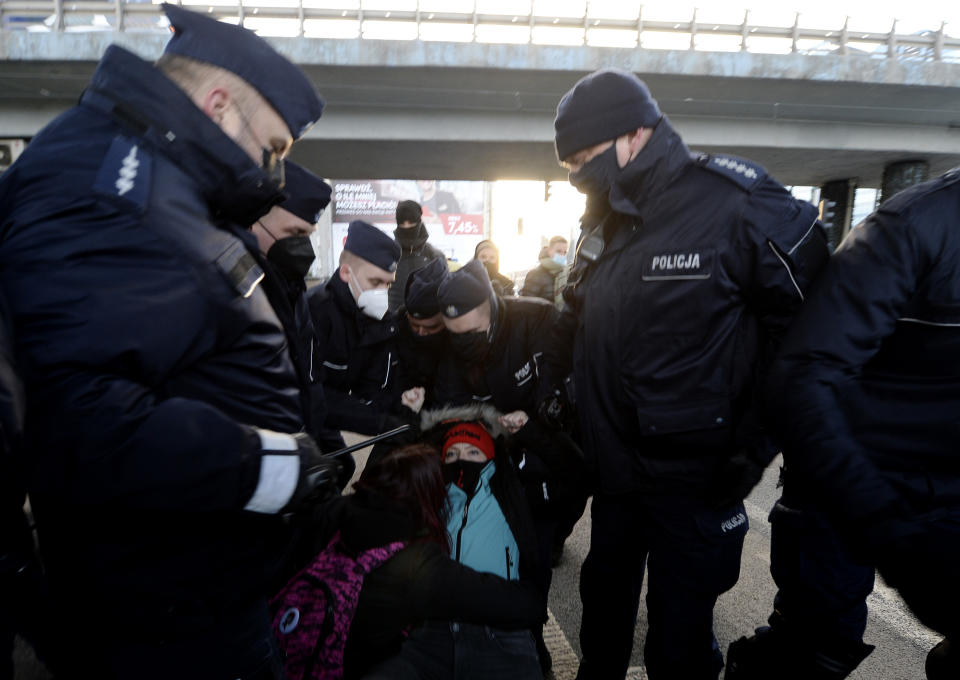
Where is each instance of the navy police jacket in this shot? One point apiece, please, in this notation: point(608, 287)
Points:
point(676, 298)
point(150, 355)
point(866, 389)
point(513, 376)
point(355, 359)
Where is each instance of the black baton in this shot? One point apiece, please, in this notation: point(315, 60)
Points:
point(368, 442)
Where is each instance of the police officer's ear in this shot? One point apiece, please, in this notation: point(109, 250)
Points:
point(216, 103)
point(630, 144)
point(345, 272)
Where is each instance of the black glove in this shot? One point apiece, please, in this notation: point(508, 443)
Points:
point(552, 410)
point(735, 480)
point(318, 480)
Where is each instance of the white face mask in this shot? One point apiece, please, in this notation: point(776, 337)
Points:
point(374, 303)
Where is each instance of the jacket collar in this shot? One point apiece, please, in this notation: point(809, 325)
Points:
point(640, 184)
point(151, 106)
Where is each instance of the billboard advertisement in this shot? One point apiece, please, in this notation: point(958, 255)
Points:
point(453, 211)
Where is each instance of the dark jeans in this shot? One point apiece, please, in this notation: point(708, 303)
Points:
point(822, 591)
point(238, 646)
point(692, 554)
point(459, 651)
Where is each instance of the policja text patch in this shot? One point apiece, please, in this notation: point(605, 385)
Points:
point(689, 264)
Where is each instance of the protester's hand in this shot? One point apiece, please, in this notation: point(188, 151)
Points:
point(413, 398)
point(512, 422)
point(735, 480)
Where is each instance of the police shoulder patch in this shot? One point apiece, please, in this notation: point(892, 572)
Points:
point(746, 174)
point(125, 173)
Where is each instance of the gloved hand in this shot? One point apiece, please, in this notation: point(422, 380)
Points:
point(293, 474)
point(735, 480)
point(553, 410)
point(319, 477)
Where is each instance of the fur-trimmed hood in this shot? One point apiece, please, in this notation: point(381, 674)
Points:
point(485, 414)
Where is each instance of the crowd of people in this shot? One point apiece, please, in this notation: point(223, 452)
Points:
point(173, 398)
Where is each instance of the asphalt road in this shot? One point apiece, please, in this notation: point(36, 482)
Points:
point(901, 642)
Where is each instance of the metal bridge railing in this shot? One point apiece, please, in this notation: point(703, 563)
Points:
point(93, 15)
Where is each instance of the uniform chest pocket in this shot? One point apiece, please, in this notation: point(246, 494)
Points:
point(684, 415)
point(690, 264)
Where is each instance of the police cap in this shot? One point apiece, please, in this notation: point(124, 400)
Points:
point(367, 242)
point(465, 290)
point(244, 53)
point(307, 194)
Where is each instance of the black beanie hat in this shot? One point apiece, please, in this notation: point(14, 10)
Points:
point(420, 296)
point(600, 107)
point(409, 211)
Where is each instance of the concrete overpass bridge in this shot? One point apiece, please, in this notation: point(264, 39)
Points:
point(835, 106)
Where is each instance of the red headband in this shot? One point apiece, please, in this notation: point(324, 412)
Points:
point(474, 434)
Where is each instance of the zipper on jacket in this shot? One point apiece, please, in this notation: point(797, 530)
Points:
point(463, 526)
point(506, 549)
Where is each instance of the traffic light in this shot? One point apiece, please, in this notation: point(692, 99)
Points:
point(828, 213)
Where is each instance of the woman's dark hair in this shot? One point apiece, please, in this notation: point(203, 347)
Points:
point(412, 478)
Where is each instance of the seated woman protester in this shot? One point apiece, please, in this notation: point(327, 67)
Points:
point(401, 498)
point(490, 530)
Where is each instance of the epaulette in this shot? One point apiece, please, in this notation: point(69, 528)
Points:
point(240, 268)
point(745, 174)
point(125, 174)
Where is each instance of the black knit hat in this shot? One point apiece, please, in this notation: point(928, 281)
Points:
point(409, 211)
point(420, 297)
point(600, 107)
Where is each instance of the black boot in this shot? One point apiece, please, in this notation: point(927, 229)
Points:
point(943, 662)
point(772, 654)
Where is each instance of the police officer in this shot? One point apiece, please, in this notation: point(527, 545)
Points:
point(164, 424)
point(356, 350)
point(283, 236)
point(415, 250)
point(496, 356)
point(865, 394)
point(689, 267)
point(422, 336)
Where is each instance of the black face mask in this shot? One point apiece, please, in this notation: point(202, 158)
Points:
point(492, 269)
point(429, 343)
point(464, 474)
point(411, 236)
point(471, 347)
point(597, 176)
point(292, 256)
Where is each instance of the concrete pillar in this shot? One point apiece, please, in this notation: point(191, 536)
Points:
point(901, 175)
point(836, 208)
